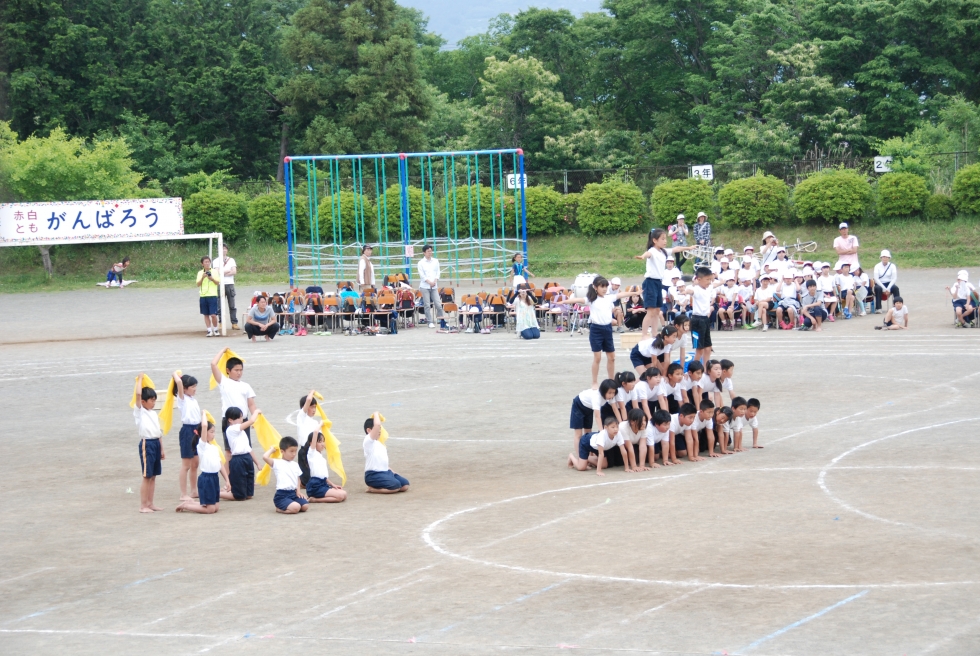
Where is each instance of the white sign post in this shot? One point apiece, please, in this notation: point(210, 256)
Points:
point(703, 171)
point(883, 164)
point(65, 222)
point(512, 180)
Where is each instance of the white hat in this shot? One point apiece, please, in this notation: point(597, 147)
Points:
point(781, 248)
point(963, 275)
point(747, 249)
point(725, 260)
point(700, 214)
point(681, 216)
point(788, 273)
point(825, 265)
point(766, 235)
point(729, 251)
point(842, 226)
point(886, 253)
point(728, 275)
point(807, 271)
point(615, 281)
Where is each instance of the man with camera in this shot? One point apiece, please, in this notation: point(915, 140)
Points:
point(208, 281)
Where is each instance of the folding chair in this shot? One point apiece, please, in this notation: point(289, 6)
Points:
point(386, 307)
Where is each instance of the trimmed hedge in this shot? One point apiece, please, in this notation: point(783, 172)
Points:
point(687, 197)
point(267, 217)
point(966, 189)
point(901, 195)
point(832, 196)
point(940, 208)
point(609, 207)
point(545, 211)
point(215, 210)
point(420, 219)
point(352, 206)
point(761, 200)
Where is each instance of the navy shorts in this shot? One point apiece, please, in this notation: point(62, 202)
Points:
point(601, 338)
point(318, 487)
point(150, 457)
point(208, 489)
point(653, 292)
point(637, 359)
point(384, 480)
point(285, 497)
point(209, 305)
point(581, 417)
point(585, 448)
point(241, 475)
point(187, 434)
point(701, 326)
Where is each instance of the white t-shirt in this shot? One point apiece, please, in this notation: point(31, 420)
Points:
point(886, 276)
point(287, 473)
point(601, 440)
point(317, 463)
point(687, 383)
point(375, 455)
point(728, 293)
point(682, 300)
point(147, 423)
point(844, 283)
point(700, 424)
point(226, 276)
point(788, 290)
point(763, 294)
point(235, 394)
point(656, 264)
point(825, 284)
point(190, 411)
point(625, 396)
point(237, 440)
point(591, 399)
point(715, 267)
point(671, 276)
point(643, 391)
point(601, 310)
point(898, 316)
point(675, 425)
point(745, 293)
point(645, 347)
point(746, 275)
point(209, 462)
point(627, 434)
point(653, 435)
point(665, 389)
point(683, 342)
point(727, 384)
point(305, 425)
point(963, 290)
point(702, 301)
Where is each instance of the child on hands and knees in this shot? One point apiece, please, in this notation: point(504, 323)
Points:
point(658, 432)
point(318, 488)
point(377, 475)
point(593, 447)
point(208, 484)
point(752, 407)
point(737, 422)
point(289, 500)
point(150, 448)
point(190, 420)
point(587, 408)
point(634, 433)
point(241, 467)
point(683, 424)
point(897, 317)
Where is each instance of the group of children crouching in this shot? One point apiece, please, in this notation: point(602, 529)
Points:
point(301, 470)
point(661, 411)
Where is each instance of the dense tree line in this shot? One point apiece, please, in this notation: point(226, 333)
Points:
point(202, 85)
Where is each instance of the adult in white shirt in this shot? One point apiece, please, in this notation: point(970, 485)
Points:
point(846, 246)
point(429, 273)
point(365, 269)
point(885, 275)
point(234, 392)
point(228, 270)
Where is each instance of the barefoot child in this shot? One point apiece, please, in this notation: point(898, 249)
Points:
point(737, 422)
point(656, 256)
point(600, 325)
point(593, 446)
point(752, 407)
point(670, 393)
point(897, 317)
point(288, 499)
point(703, 429)
point(658, 432)
point(680, 425)
point(241, 465)
point(318, 488)
point(625, 398)
point(587, 408)
point(692, 384)
point(208, 484)
point(701, 300)
point(190, 426)
point(723, 426)
point(634, 432)
point(377, 475)
point(151, 449)
point(646, 391)
point(642, 355)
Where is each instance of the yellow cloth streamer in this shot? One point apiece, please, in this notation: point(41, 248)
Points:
point(268, 437)
point(167, 411)
point(383, 436)
point(221, 452)
point(136, 394)
point(332, 444)
point(222, 363)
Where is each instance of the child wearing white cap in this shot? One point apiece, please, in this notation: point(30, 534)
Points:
point(825, 287)
point(885, 275)
point(763, 299)
point(789, 301)
point(845, 287)
point(964, 298)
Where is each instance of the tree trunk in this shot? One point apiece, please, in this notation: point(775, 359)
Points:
point(283, 149)
point(46, 259)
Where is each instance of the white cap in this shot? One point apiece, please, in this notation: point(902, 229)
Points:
point(615, 281)
point(886, 253)
point(766, 235)
point(788, 274)
point(963, 275)
point(729, 251)
point(781, 248)
point(681, 216)
point(747, 249)
point(702, 214)
point(825, 265)
point(842, 226)
point(807, 271)
point(728, 275)
point(725, 260)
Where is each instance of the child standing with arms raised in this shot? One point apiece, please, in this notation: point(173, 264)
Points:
point(151, 449)
point(656, 257)
point(234, 392)
point(190, 424)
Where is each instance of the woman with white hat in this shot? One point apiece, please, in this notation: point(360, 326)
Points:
point(702, 233)
point(963, 294)
point(769, 246)
point(885, 275)
point(678, 233)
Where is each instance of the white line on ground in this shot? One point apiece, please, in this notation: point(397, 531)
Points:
point(618, 624)
point(25, 575)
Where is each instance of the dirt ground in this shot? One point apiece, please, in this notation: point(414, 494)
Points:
point(855, 531)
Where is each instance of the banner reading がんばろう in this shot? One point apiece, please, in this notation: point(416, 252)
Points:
point(90, 220)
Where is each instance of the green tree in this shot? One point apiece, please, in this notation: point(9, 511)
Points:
point(610, 207)
point(761, 200)
point(832, 196)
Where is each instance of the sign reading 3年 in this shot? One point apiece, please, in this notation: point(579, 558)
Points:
point(703, 171)
point(90, 220)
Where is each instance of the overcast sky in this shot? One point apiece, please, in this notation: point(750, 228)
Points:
point(453, 19)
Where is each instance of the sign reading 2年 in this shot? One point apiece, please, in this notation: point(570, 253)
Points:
point(90, 220)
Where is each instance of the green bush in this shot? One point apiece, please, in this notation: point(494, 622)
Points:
point(966, 189)
point(832, 196)
point(940, 207)
point(545, 211)
point(267, 216)
point(357, 221)
point(416, 198)
point(901, 195)
point(761, 200)
point(215, 210)
point(570, 209)
point(687, 197)
point(609, 207)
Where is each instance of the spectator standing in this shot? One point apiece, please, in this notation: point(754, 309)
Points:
point(885, 275)
point(365, 269)
point(115, 275)
point(261, 320)
point(702, 235)
point(208, 284)
point(228, 270)
point(429, 272)
point(678, 233)
point(846, 246)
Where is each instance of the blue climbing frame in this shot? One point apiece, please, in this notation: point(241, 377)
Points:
point(469, 205)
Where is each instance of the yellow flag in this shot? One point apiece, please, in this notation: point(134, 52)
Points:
point(167, 411)
point(383, 436)
point(136, 395)
point(221, 452)
point(332, 444)
point(268, 437)
point(222, 363)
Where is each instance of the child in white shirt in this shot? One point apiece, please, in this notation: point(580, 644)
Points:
point(150, 447)
point(897, 317)
point(680, 425)
point(669, 393)
point(592, 449)
point(289, 500)
point(646, 391)
point(737, 422)
point(845, 286)
point(190, 425)
point(963, 298)
point(658, 433)
point(378, 477)
point(825, 286)
point(752, 407)
point(746, 294)
point(319, 489)
point(634, 431)
point(241, 465)
point(234, 392)
point(723, 425)
point(763, 299)
point(208, 484)
point(587, 408)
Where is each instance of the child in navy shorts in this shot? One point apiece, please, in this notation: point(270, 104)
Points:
point(190, 426)
point(318, 488)
point(241, 466)
point(377, 475)
point(289, 500)
point(150, 448)
point(208, 484)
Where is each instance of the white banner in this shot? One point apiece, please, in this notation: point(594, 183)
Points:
point(90, 220)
